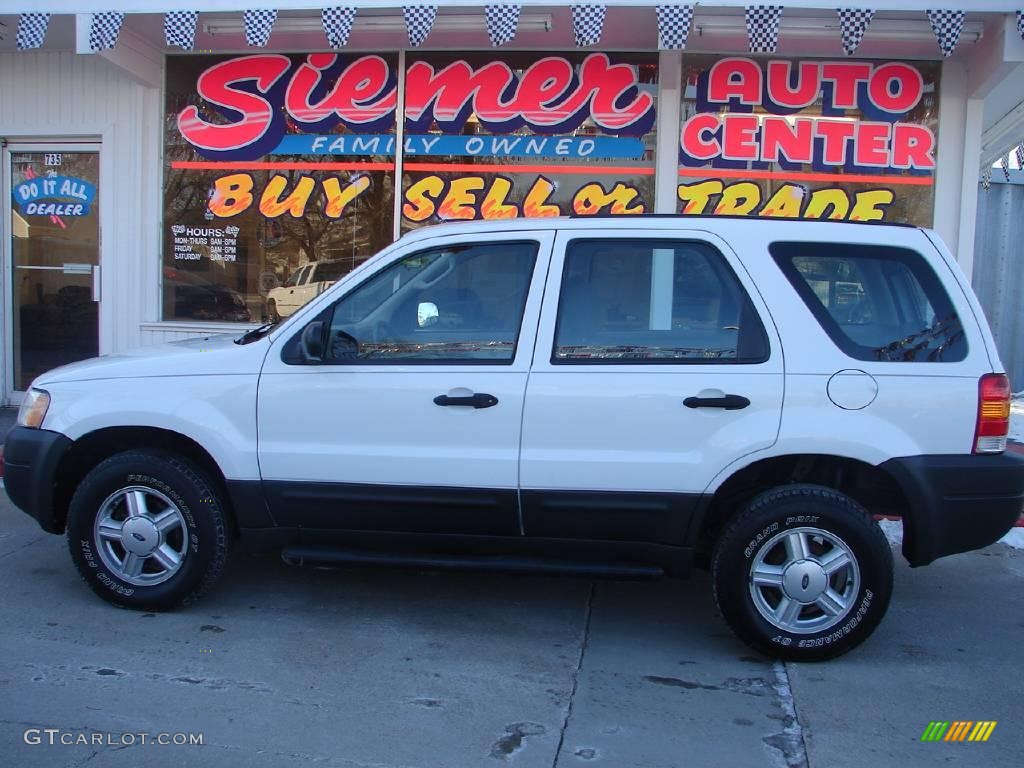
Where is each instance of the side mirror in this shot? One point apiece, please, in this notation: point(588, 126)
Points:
point(426, 314)
point(313, 342)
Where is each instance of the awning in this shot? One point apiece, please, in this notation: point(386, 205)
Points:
point(764, 23)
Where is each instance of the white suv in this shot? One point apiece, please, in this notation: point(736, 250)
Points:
point(625, 396)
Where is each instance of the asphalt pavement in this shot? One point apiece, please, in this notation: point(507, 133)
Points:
point(350, 668)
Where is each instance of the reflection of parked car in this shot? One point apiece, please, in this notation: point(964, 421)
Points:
point(196, 298)
point(305, 283)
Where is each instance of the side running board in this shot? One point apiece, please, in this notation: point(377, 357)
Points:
point(321, 555)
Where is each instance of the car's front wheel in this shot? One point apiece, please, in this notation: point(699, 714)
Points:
point(147, 530)
point(803, 573)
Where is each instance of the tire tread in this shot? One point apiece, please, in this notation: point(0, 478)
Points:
point(221, 543)
point(856, 515)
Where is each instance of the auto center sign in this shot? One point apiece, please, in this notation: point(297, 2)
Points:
point(884, 93)
point(847, 140)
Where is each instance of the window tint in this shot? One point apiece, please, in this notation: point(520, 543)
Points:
point(875, 302)
point(453, 304)
point(293, 279)
point(647, 301)
point(330, 271)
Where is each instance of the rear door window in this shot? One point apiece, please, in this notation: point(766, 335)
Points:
point(653, 301)
point(877, 303)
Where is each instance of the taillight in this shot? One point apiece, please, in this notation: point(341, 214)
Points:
point(993, 413)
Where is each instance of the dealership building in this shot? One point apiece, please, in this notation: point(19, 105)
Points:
point(172, 174)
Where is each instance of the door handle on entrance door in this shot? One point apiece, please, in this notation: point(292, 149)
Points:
point(728, 402)
point(479, 400)
point(96, 282)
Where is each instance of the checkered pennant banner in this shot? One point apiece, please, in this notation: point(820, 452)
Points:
point(502, 22)
point(1020, 23)
point(258, 25)
point(853, 23)
point(104, 29)
point(1020, 155)
point(338, 24)
point(1004, 163)
point(986, 179)
point(588, 24)
point(180, 28)
point(32, 30)
point(419, 20)
point(763, 27)
point(947, 26)
point(674, 26)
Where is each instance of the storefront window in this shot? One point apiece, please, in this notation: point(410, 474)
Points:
point(844, 140)
point(527, 135)
point(278, 179)
point(279, 170)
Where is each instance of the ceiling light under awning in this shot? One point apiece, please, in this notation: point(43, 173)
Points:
point(234, 25)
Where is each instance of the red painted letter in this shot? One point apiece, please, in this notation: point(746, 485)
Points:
point(694, 143)
point(735, 79)
point(806, 92)
point(214, 86)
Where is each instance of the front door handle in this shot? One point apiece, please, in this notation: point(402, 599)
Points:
point(728, 402)
point(479, 400)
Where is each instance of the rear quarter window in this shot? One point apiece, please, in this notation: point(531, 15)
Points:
point(877, 303)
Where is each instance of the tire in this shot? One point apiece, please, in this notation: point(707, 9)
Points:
point(796, 609)
point(148, 501)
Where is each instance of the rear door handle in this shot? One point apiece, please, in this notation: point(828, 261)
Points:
point(479, 400)
point(727, 402)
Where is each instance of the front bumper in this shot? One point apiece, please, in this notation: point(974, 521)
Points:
point(957, 503)
point(31, 459)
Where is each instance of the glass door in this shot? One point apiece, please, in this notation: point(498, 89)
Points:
point(51, 260)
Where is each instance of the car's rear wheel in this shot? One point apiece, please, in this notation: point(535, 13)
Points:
point(803, 573)
point(147, 530)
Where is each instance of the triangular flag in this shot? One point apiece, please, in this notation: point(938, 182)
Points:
point(1004, 163)
point(180, 28)
point(986, 179)
point(853, 23)
point(1020, 23)
point(502, 22)
point(763, 27)
point(674, 26)
point(588, 24)
point(104, 29)
point(947, 26)
point(258, 25)
point(1020, 155)
point(338, 24)
point(32, 30)
point(419, 20)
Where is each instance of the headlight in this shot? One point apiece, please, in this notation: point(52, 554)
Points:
point(33, 408)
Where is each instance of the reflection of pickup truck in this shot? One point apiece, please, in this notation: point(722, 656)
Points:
point(305, 283)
